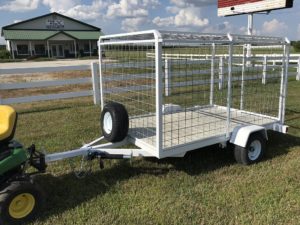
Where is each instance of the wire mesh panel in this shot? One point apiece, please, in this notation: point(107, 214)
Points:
point(209, 84)
point(200, 99)
point(190, 84)
point(128, 77)
point(256, 83)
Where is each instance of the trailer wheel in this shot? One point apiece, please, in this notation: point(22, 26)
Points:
point(253, 152)
point(114, 122)
point(20, 202)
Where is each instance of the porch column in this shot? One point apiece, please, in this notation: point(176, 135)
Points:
point(12, 52)
point(48, 49)
point(90, 48)
point(75, 50)
point(30, 48)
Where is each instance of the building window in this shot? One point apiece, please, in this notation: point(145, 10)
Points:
point(22, 49)
point(86, 48)
point(39, 49)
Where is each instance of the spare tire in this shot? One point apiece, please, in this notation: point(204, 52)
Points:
point(114, 122)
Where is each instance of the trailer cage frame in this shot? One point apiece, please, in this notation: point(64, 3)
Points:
point(186, 90)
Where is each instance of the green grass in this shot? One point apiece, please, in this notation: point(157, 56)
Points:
point(204, 187)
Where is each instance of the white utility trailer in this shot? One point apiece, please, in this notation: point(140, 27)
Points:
point(168, 93)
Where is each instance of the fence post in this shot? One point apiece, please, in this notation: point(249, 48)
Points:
point(274, 64)
point(298, 70)
point(221, 73)
point(96, 82)
point(265, 64)
point(167, 77)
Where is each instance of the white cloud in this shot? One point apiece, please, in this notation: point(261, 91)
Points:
point(224, 27)
point(197, 3)
point(185, 17)
point(57, 5)
point(17, 21)
point(131, 8)
point(163, 22)
point(274, 27)
point(181, 4)
point(189, 17)
point(151, 3)
point(172, 9)
point(133, 24)
point(20, 5)
point(87, 12)
point(74, 8)
point(134, 12)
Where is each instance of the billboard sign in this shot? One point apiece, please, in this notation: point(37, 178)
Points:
point(236, 7)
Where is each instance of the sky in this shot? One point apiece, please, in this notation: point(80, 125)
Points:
point(117, 16)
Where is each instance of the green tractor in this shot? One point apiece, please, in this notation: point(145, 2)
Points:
point(20, 196)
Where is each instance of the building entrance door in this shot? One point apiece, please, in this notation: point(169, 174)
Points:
point(58, 51)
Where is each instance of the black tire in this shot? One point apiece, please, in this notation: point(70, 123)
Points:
point(253, 152)
point(237, 154)
point(117, 114)
point(9, 201)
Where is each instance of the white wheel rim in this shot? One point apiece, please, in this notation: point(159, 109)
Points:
point(107, 122)
point(254, 150)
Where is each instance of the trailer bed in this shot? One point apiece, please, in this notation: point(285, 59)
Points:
point(193, 124)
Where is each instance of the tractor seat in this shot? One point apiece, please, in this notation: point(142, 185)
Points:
point(8, 123)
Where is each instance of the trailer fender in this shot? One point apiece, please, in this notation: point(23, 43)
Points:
point(240, 135)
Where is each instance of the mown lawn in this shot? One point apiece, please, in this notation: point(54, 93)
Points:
point(205, 187)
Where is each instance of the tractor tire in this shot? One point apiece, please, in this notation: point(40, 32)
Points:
point(253, 152)
point(114, 122)
point(20, 202)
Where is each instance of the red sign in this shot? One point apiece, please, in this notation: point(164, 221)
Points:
point(236, 7)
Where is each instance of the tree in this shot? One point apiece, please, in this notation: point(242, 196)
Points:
point(296, 45)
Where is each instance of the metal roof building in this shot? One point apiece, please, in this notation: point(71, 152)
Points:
point(52, 35)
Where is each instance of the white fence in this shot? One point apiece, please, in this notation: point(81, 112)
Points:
point(94, 81)
point(265, 61)
point(43, 69)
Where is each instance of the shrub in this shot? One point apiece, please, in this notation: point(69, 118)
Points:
point(4, 54)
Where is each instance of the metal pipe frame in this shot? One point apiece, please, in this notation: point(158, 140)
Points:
point(285, 72)
point(158, 85)
point(103, 149)
point(100, 74)
point(284, 80)
point(229, 97)
point(212, 76)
